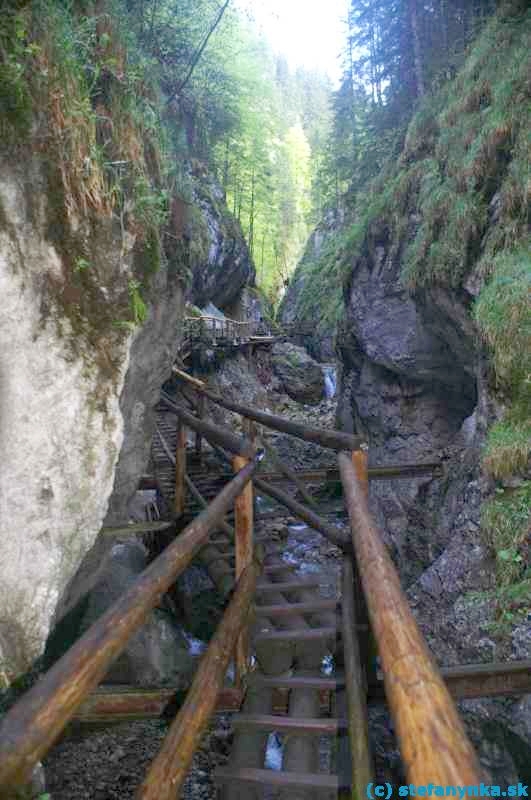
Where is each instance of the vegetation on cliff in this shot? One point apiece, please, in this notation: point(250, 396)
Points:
point(439, 174)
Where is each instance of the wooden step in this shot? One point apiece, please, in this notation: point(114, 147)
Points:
point(278, 569)
point(290, 609)
point(289, 586)
point(272, 722)
point(278, 778)
point(320, 682)
point(297, 635)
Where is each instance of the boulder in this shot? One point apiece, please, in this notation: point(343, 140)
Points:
point(301, 376)
point(158, 654)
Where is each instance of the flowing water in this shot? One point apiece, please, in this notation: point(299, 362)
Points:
point(330, 379)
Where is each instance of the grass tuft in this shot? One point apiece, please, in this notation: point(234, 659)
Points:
point(506, 521)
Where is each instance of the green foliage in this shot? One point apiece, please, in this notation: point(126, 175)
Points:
point(505, 524)
point(503, 313)
point(508, 445)
point(138, 306)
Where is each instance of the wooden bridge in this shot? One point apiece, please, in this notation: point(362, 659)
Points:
point(276, 628)
point(203, 332)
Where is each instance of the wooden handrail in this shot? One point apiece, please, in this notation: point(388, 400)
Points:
point(332, 440)
point(168, 772)
point(216, 434)
point(433, 741)
point(35, 722)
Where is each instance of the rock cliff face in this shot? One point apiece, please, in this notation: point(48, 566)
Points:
point(79, 382)
point(409, 382)
point(225, 266)
point(313, 302)
point(61, 429)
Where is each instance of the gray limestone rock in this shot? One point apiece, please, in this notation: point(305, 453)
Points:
point(301, 376)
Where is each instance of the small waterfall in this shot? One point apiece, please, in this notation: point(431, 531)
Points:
point(330, 378)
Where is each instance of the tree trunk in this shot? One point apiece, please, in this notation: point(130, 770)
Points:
point(417, 52)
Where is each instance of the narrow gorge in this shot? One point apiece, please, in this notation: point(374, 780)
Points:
point(179, 203)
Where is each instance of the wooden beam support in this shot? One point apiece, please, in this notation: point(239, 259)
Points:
point(168, 772)
point(312, 519)
point(433, 741)
point(288, 473)
point(31, 726)
point(194, 491)
point(201, 409)
point(356, 686)
point(180, 470)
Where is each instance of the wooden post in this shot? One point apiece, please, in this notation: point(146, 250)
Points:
point(356, 686)
point(243, 525)
point(360, 459)
point(201, 408)
point(180, 469)
point(432, 739)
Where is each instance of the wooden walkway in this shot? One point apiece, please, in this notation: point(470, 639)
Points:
point(276, 629)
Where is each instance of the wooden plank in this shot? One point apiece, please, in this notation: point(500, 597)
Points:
point(288, 586)
point(122, 705)
point(283, 724)
point(224, 526)
point(508, 679)
point(319, 682)
point(277, 778)
point(303, 635)
point(168, 771)
point(432, 739)
point(136, 529)
point(289, 609)
point(32, 725)
point(355, 681)
point(288, 473)
point(278, 569)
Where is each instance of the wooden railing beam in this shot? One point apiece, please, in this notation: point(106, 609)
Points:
point(168, 772)
point(333, 534)
point(433, 741)
point(215, 434)
point(332, 440)
point(34, 723)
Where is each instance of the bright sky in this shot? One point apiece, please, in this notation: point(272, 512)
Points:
point(309, 33)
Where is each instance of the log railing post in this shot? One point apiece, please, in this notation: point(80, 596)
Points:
point(356, 686)
point(201, 408)
point(243, 542)
point(180, 469)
